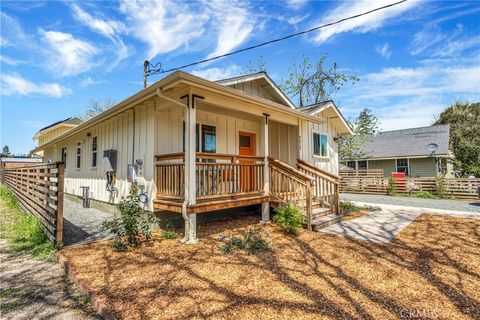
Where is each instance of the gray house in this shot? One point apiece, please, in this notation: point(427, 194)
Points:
point(419, 152)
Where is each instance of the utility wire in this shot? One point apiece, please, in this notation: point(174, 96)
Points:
point(160, 70)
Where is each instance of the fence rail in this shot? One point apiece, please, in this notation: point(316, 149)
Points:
point(373, 182)
point(39, 190)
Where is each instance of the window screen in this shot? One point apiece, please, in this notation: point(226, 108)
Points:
point(79, 152)
point(94, 152)
point(209, 139)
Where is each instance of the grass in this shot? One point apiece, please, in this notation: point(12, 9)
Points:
point(349, 210)
point(432, 266)
point(24, 232)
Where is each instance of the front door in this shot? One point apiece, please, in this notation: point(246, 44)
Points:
point(246, 148)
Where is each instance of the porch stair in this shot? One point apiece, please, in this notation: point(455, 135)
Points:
point(325, 221)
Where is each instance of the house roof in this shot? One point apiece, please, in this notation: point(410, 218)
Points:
point(409, 142)
point(169, 81)
point(267, 82)
point(316, 108)
point(69, 121)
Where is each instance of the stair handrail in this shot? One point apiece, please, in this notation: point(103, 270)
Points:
point(305, 180)
point(332, 178)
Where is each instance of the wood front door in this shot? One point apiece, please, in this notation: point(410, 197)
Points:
point(246, 148)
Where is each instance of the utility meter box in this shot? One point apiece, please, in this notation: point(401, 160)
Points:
point(132, 173)
point(111, 156)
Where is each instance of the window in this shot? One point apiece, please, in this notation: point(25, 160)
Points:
point(207, 140)
point(64, 156)
point(351, 164)
point(79, 151)
point(94, 152)
point(402, 166)
point(362, 165)
point(320, 144)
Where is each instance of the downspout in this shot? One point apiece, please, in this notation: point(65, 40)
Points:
point(187, 142)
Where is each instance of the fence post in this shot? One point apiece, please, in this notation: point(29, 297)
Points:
point(59, 228)
point(309, 205)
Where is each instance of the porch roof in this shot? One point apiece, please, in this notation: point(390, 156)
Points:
point(171, 81)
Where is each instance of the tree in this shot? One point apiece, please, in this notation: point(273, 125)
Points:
point(6, 152)
point(254, 67)
point(313, 83)
point(364, 127)
point(367, 123)
point(96, 107)
point(464, 120)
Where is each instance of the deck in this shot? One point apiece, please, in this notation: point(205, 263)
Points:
point(224, 181)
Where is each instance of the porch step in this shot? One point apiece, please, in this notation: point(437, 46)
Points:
point(325, 221)
point(319, 212)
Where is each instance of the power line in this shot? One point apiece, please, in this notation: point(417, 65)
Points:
point(157, 68)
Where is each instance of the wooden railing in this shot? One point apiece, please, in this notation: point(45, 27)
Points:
point(217, 175)
point(290, 185)
point(39, 190)
point(325, 185)
point(373, 182)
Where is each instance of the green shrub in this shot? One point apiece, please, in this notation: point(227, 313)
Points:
point(22, 229)
point(133, 224)
point(425, 195)
point(289, 217)
point(441, 188)
point(253, 241)
point(169, 232)
point(391, 189)
point(347, 207)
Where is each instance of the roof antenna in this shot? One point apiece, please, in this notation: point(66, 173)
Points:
point(149, 69)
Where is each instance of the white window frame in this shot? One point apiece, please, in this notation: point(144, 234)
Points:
point(78, 156)
point(313, 144)
point(94, 153)
point(408, 166)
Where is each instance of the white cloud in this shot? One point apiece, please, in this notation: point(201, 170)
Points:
point(10, 61)
point(11, 31)
point(162, 24)
point(296, 4)
point(110, 29)
point(235, 23)
point(384, 50)
point(362, 24)
point(14, 84)
point(67, 55)
point(88, 81)
point(214, 74)
point(408, 97)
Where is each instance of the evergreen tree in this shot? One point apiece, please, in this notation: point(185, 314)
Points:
point(6, 152)
point(367, 123)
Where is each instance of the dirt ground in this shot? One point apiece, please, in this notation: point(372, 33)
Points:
point(37, 289)
point(431, 270)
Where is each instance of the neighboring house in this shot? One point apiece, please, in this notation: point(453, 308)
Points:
point(192, 145)
point(49, 132)
point(15, 162)
point(418, 152)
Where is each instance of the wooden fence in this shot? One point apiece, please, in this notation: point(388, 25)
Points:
point(373, 182)
point(39, 190)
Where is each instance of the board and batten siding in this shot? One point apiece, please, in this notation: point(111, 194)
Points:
point(253, 88)
point(116, 133)
point(329, 163)
point(423, 167)
point(388, 166)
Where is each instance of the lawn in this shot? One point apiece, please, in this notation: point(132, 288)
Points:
point(431, 269)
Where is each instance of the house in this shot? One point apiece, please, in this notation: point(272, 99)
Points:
point(15, 162)
point(54, 130)
point(194, 146)
point(418, 152)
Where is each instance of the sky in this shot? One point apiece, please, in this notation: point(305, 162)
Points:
point(413, 60)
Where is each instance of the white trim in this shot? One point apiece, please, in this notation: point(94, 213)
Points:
point(313, 144)
point(408, 165)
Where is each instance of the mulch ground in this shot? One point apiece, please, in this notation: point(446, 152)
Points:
point(431, 270)
point(354, 215)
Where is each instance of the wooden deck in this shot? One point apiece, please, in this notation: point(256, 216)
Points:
point(227, 181)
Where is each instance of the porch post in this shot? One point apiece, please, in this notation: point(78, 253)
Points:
point(192, 192)
point(266, 171)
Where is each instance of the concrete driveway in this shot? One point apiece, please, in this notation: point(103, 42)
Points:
point(384, 225)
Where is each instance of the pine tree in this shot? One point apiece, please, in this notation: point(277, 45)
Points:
point(367, 123)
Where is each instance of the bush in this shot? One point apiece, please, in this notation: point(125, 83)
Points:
point(425, 195)
point(347, 207)
point(133, 224)
point(252, 241)
point(169, 231)
point(289, 217)
point(441, 189)
point(391, 189)
point(24, 231)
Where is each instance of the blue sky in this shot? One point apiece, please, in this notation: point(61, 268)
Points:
point(412, 60)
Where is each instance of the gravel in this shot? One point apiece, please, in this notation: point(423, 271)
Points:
point(472, 206)
point(82, 225)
